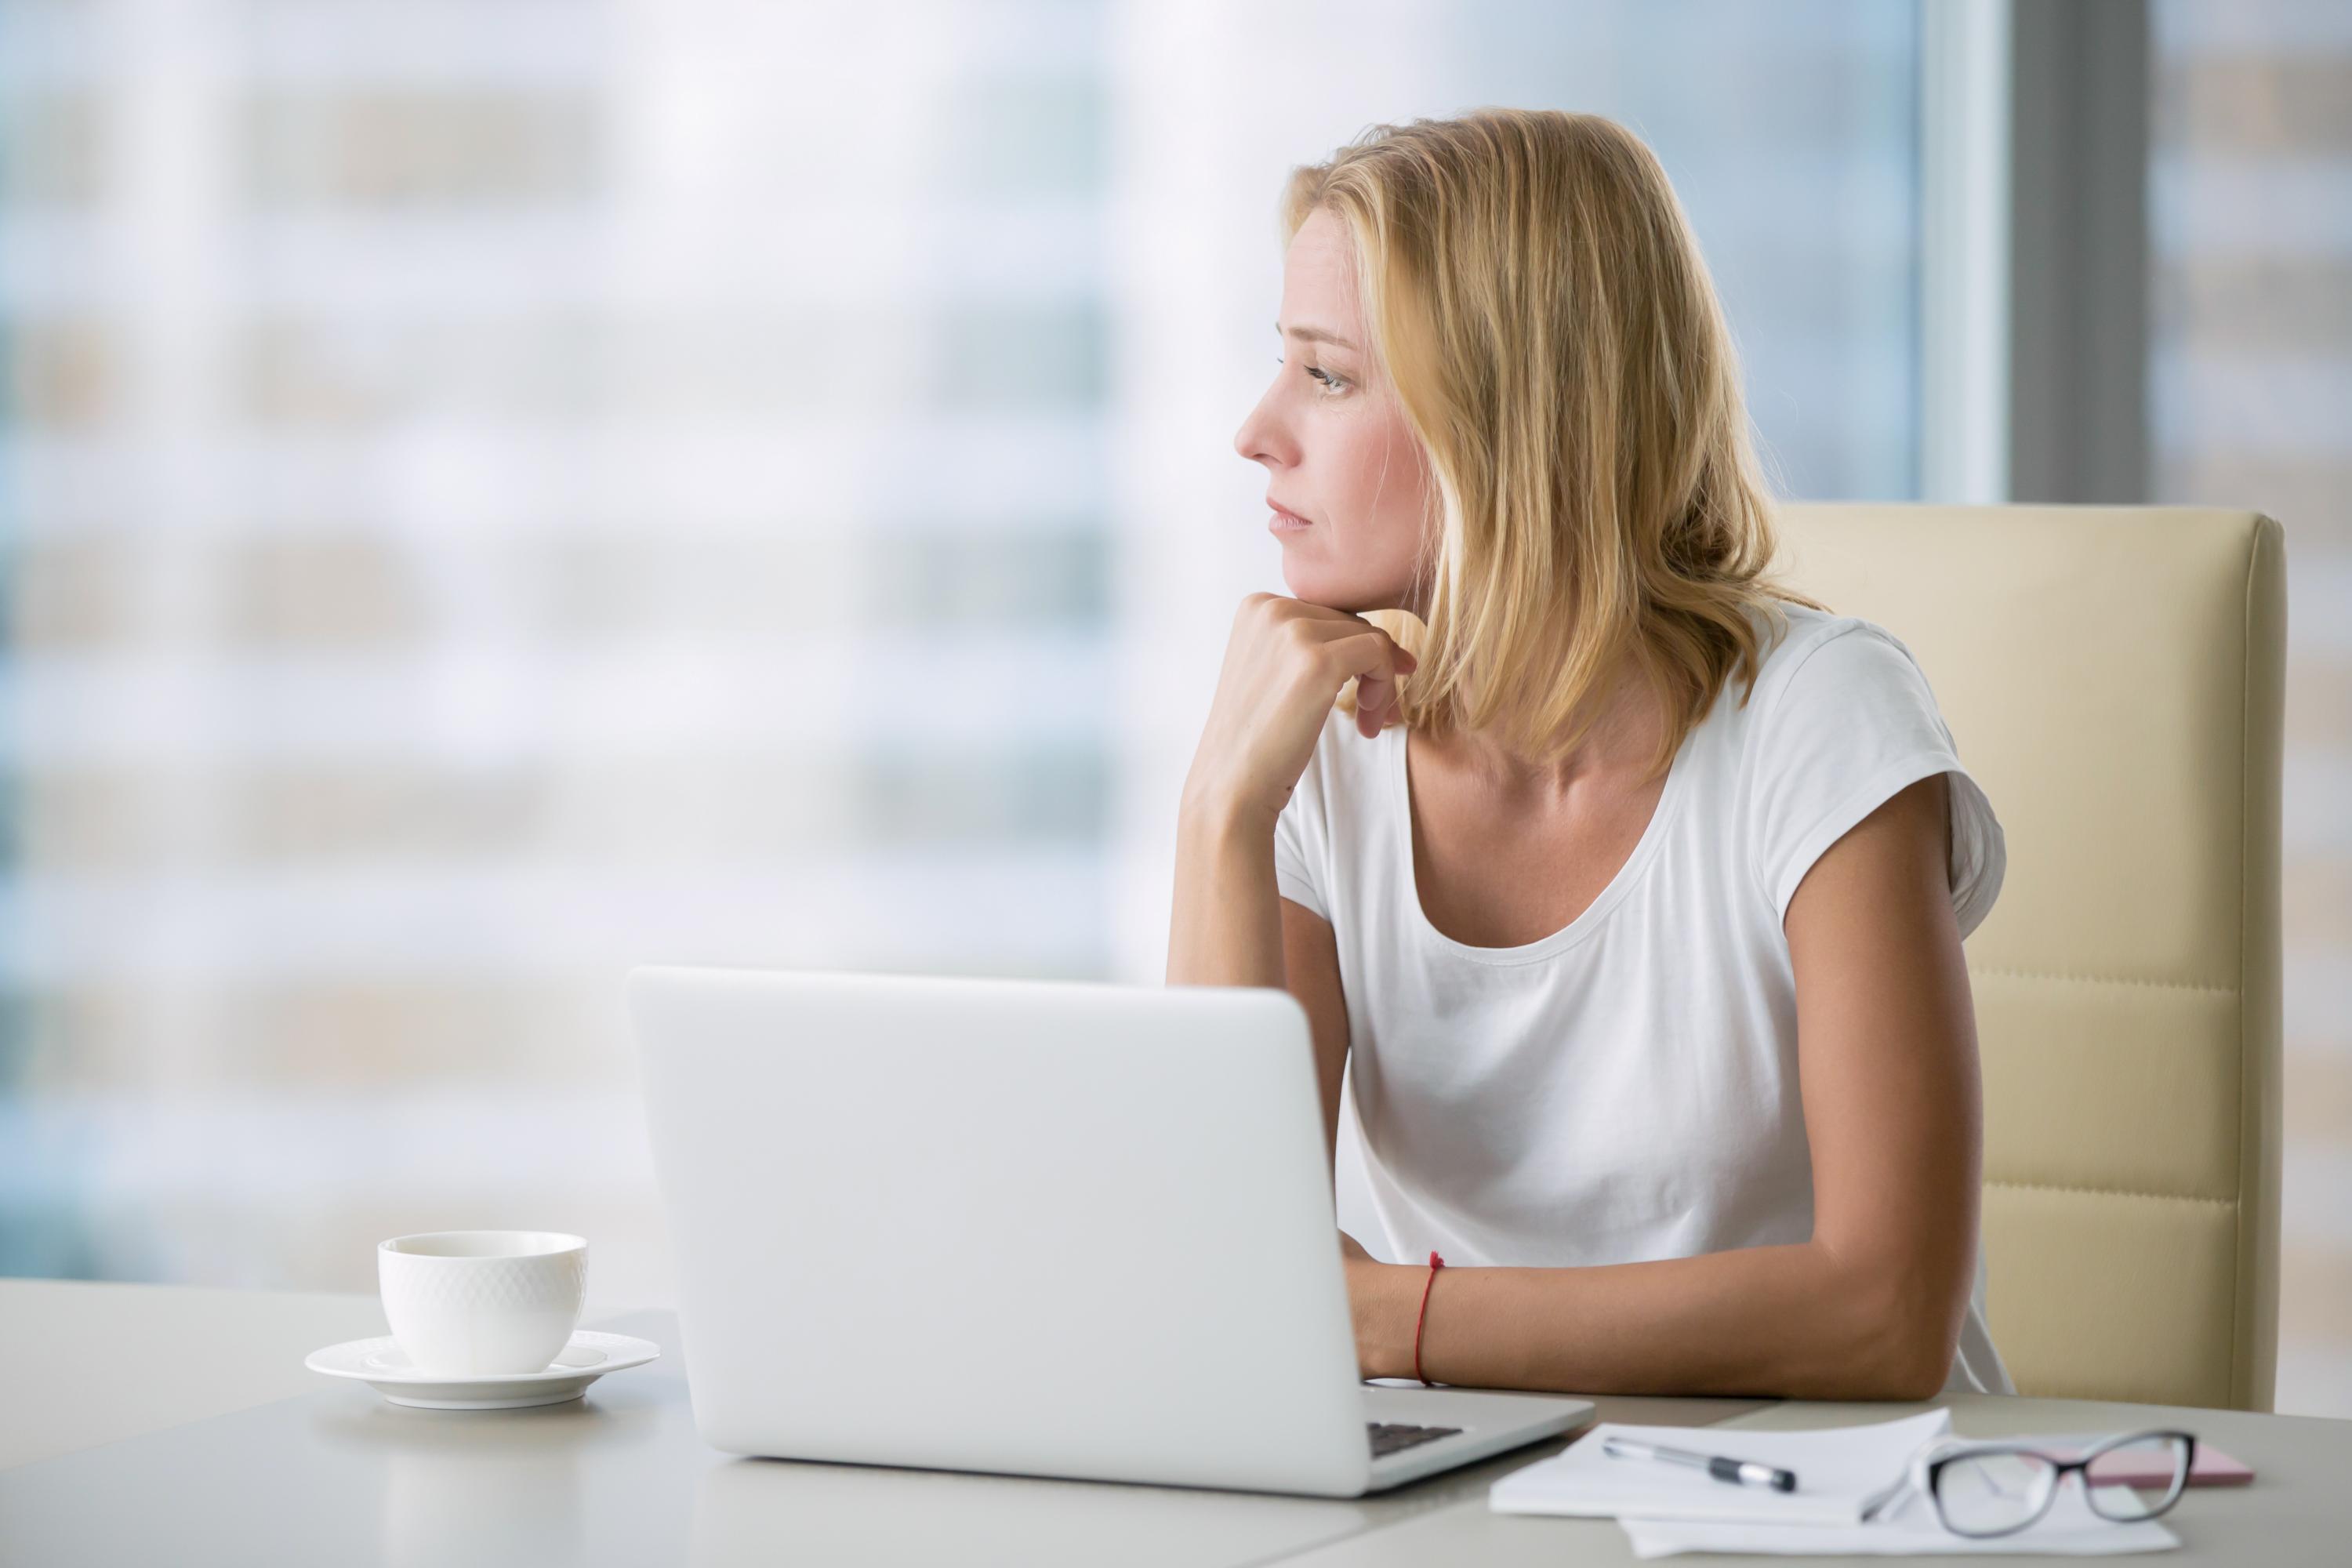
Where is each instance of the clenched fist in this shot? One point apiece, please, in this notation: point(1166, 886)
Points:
point(1285, 664)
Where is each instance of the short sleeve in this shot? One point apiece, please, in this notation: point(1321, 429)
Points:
point(1302, 840)
point(1851, 724)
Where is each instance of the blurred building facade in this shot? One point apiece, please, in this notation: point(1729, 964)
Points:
point(495, 493)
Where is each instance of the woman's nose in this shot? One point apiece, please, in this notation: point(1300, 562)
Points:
point(1260, 438)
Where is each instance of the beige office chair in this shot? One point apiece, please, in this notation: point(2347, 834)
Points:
point(2114, 679)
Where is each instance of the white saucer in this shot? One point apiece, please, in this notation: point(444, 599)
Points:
point(381, 1362)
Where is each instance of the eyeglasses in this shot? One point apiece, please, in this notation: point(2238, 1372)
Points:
point(2000, 1488)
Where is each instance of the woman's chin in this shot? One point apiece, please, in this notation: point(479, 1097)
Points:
point(1338, 591)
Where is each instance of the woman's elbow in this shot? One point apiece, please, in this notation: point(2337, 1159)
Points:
point(1901, 1333)
point(1881, 1363)
point(1919, 1369)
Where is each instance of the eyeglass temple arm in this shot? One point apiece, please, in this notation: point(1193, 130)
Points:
point(1870, 1507)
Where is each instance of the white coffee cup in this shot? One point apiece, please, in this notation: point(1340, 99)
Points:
point(471, 1302)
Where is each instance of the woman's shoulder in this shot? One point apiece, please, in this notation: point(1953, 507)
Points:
point(1826, 682)
point(1842, 717)
point(1813, 656)
point(1836, 694)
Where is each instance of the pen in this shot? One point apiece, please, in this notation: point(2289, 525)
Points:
point(1739, 1472)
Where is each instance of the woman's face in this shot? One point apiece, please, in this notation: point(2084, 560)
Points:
point(1348, 486)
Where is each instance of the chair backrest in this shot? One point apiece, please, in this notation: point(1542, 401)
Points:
point(2114, 679)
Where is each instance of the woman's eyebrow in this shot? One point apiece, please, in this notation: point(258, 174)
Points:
point(1311, 335)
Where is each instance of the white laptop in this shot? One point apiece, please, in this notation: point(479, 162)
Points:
point(1030, 1227)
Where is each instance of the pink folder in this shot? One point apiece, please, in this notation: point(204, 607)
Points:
point(2212, 1467)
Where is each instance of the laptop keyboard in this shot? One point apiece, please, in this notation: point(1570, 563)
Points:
point(1394, 1438)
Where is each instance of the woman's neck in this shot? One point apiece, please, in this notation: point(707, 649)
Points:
point(1628, 721)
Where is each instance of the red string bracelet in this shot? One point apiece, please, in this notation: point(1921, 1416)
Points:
point(1435, 1263)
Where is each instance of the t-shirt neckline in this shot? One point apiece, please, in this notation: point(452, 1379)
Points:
point(1590, 920)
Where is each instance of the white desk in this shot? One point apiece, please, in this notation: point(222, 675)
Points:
point(152, 1424)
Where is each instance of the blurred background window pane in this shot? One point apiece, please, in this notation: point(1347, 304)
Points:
point(2250, 382)
point(491, 493)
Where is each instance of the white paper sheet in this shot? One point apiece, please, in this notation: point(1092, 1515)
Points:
point(1908, 1528)
point(1841, 1471)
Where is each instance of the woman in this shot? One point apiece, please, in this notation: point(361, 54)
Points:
point(1631, 885)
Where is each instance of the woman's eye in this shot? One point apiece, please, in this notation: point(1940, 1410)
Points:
point(1330, 383)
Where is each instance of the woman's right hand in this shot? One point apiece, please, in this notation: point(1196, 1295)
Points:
point(1284, 665)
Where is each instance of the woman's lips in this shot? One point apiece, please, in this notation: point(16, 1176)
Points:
point(1284, 520)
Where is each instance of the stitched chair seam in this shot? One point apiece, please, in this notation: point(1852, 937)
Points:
point(2103, 980)
point(2110, 1192)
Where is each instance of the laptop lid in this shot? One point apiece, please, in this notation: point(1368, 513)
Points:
point(1034, 1227)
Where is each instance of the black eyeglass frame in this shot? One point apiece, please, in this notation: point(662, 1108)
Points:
point(2060, 1467)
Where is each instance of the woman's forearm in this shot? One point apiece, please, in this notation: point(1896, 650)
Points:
point(1792, 1321)
point(1284, 665)
point(1226, 927)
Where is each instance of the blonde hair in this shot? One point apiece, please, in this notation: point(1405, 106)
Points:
point(1533, 292)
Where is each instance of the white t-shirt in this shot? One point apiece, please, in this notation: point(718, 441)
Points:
point(1626, 1088)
